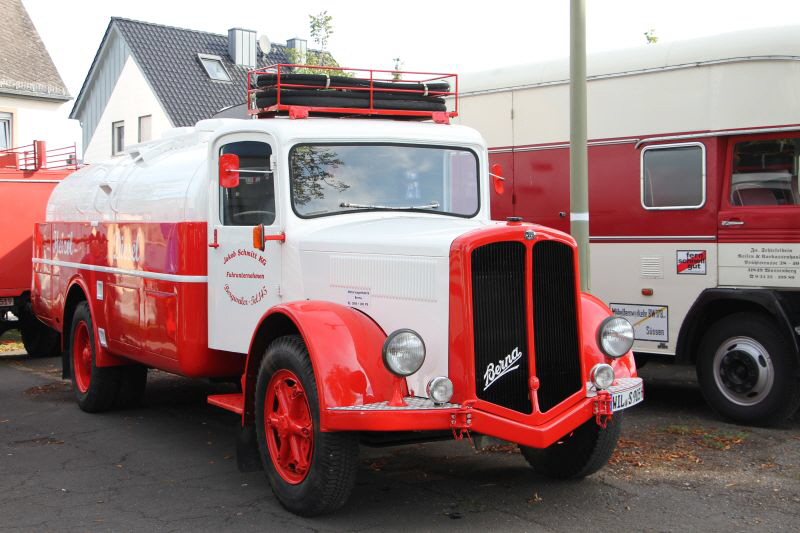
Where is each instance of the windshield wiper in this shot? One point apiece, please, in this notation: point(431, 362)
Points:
point(432, 205)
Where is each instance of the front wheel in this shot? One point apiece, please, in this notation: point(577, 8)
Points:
point(747, 370)
point(579, 454)
point(311, 472)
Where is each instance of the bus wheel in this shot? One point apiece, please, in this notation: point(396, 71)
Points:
point(579, 454)
point(310, 472)
point(747, 370)
point(38, 339)
point(95, 388)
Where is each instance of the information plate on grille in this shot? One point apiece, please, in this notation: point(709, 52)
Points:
point(6, 302)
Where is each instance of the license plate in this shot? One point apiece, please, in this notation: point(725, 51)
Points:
point(627, 398)
point(6, 302)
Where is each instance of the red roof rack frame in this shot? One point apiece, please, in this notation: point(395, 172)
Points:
point(362, 83)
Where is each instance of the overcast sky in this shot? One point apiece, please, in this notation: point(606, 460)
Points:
point(458, 36)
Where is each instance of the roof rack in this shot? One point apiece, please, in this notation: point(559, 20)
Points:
point(303, 90)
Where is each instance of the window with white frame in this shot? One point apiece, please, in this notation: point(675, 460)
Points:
point(214, 67)
point(673, 176)
point(5, 131)
point(117, 137)
point(145, 128)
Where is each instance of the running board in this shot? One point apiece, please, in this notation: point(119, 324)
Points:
point(231, 402)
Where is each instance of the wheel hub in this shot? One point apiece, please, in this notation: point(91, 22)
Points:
point(743, 370)
point(82, 357)
point(288, 426)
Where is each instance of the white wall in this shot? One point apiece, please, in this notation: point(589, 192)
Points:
point(130, 99)
point(38, 120)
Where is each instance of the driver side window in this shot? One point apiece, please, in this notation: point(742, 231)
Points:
point(253, 201)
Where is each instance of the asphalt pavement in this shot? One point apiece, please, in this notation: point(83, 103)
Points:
point(171, 466)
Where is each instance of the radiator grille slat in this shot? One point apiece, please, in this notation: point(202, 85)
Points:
point(498, 303)
point(555, 327)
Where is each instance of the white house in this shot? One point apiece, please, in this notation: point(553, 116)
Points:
point(31, 90)
point(147, 78)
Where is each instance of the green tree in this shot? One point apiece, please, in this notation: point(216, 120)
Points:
point(321, 29)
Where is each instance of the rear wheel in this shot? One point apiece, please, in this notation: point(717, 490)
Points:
point(38, 339)
point(95, 388)
point(311, 472)
point(748, 371)
point(579, 454)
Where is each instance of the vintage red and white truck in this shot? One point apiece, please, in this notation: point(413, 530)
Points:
point(694, 203)
point(28, 175)
point(345, 271)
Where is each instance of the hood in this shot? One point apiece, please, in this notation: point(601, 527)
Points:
point(390, 234)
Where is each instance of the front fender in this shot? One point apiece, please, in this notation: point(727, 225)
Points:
point(345, 350)
point(593, 312)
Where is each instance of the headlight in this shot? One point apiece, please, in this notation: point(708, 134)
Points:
point(403, 352)
point(615, 336)
point(440, 389)
point(602, 376)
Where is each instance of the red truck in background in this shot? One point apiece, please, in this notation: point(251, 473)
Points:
point(28, 175)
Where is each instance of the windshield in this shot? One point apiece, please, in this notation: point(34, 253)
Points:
point(331, 179)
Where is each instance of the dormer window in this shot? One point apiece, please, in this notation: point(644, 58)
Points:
point(214, 67)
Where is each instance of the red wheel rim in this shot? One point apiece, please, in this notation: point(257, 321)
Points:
point(288, 426)
point(82, 357)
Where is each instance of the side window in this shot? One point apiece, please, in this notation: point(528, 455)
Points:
point(673, 176)
point(765, 173)
point(253, 201)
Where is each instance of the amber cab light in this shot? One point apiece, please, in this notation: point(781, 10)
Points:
point(258, 237)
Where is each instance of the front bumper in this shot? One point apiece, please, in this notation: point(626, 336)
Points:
point(421, 414)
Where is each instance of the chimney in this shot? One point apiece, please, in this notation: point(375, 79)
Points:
point(300, 48)
point(242, 47)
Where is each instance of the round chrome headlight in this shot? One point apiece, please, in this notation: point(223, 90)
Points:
point(615, 336)
point(403, 352)
point(602, 376)
point(440, 389)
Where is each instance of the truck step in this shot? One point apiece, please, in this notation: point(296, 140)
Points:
point(231, 402)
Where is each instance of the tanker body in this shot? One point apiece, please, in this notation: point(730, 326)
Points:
point(347, 273)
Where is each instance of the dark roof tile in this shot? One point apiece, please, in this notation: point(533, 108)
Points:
point(168, 59)
point(25, 66)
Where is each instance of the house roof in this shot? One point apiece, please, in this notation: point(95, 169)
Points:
point(26, 68)
point(168, 59)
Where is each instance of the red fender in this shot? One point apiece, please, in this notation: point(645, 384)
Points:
point(593, 312)
point(345, 348)
point(102, 357)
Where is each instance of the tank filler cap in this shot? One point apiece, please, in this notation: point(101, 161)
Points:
point(514, 221)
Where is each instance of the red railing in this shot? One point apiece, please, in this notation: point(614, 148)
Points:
point(36, 156)
point(388, 84)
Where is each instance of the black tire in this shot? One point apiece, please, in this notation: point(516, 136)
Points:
point(334, 456)
point(748, 371)
point(585, 451)
point(38, 339)
point(101, 391)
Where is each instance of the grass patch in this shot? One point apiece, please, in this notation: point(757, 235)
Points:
point(11, 341)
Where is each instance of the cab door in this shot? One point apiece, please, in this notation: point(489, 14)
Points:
point(759, 219)
point(243, 281)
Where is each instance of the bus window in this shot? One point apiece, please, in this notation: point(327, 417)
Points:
point(765, 173)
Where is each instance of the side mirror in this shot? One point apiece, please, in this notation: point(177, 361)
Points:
point(498, 181)
point(229, 171)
